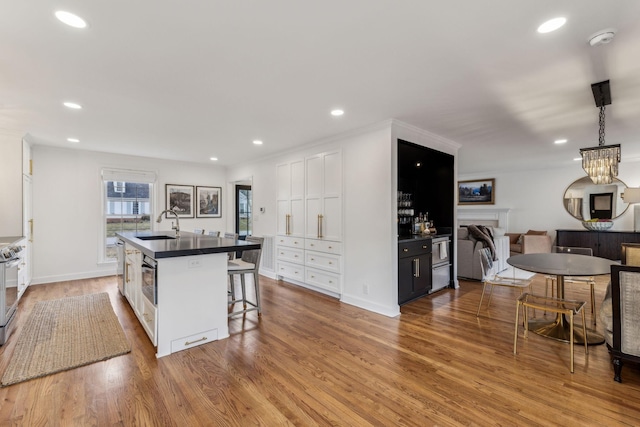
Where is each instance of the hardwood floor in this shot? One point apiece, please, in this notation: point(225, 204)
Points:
point(313, 361)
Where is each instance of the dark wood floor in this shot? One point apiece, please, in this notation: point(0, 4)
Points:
point(313, 361)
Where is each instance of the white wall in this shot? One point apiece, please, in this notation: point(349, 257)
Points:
point(369, 197)
point(67, 201)
point(535, 196)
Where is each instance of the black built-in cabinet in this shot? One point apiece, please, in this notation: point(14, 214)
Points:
point(428, 176)
point(605, 244)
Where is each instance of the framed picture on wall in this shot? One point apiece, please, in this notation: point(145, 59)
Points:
point(208, 202)
point(179, 198)
point(476, 192)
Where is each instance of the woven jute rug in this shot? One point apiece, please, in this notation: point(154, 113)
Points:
point(64, 334)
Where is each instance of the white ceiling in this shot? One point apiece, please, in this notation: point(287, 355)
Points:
point(193, 79)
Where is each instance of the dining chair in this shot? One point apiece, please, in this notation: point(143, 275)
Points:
point(590, 280)
point(248, 263)
point(214, 233)
point(490, 278)
point(631, 254)
point(564, 307)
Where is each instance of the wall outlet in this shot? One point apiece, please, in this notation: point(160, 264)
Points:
point(194, 263)
point(365, 289)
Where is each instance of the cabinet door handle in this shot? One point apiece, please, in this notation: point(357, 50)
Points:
point(416, 266)
point(126, 272)
point(30, 225)
point(320, 217)
point(287, 227)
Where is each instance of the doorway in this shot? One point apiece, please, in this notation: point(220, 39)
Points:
point(244, 219)
point(601, 205)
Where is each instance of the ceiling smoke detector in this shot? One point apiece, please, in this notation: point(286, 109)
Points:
point(602, 37)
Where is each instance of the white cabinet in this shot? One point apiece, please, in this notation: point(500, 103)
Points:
point(133, 277)
point(23, 269)
point(27, 214)
point(309, 252)
point(323, 196)
point(290, 198)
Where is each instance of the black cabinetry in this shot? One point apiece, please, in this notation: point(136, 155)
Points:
point(414, 269)
point(605, 244)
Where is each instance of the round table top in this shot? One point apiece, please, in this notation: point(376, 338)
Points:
point(561, 264)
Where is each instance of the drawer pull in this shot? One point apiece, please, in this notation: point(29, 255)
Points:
point(405, 250)
point(313, 259)
point(330, 263)
point(195, 341)
point(313, 277)
point(424, 247)
point(295, 256)
point(330, 247)
point(331, 281)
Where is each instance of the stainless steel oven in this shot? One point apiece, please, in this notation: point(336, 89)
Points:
point(10, 260)
point(150, 279)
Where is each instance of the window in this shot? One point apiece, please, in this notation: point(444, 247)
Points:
point(127, 205)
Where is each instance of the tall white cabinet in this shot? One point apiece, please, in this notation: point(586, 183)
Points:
point(310, 218)
point(27, 216)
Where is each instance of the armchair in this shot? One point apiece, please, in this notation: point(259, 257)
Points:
point(620, 315)
point(531, 242)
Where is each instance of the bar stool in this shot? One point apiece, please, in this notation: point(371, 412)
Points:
point(556, 305)
point(248, 263)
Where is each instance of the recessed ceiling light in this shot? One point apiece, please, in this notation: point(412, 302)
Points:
point(73, 140)
point(215, 159)
point(552, 25)
point(559, 141)
point(73, 105)
point(337, 113)
point(70, 19)
point(257, 142)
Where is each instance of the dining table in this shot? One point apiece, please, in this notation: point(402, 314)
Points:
point(561, 265)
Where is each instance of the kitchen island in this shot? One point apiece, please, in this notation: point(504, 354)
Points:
point(177, 286)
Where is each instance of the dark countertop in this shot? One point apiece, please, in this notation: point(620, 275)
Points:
point(416, 237)
point(9, 240)
point(185, 245)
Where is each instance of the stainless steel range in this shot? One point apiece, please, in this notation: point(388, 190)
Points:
point(10, 260)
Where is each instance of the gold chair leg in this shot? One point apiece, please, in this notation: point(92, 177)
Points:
point(515, 335)
point(593, 303)
point(584, 333)
point(571, 337)
point(490, 295)
point(484, 288)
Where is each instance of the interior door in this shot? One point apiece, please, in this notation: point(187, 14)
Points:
point(243, 211)
point(601, 205)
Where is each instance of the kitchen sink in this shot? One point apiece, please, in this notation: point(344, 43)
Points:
point(162, 237)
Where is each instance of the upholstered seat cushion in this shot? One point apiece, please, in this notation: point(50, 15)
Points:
point(238, 264)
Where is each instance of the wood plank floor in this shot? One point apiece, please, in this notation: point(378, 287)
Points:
point(313, 361)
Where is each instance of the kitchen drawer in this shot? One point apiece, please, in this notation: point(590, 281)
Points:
point(323, 261)
point(323, 279)
point(440, 252)
point(290, 254)
point(414, 248)
point(292, 242)
point(194, 340)
point(323, 246)
point(148, 319)
point(291, 271)
point(440, 277)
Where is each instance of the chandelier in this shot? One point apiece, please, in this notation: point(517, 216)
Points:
point(601, 162)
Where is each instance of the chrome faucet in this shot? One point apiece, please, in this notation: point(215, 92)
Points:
point(173, 227)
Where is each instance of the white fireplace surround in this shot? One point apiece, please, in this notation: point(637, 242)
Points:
point(495, 217)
